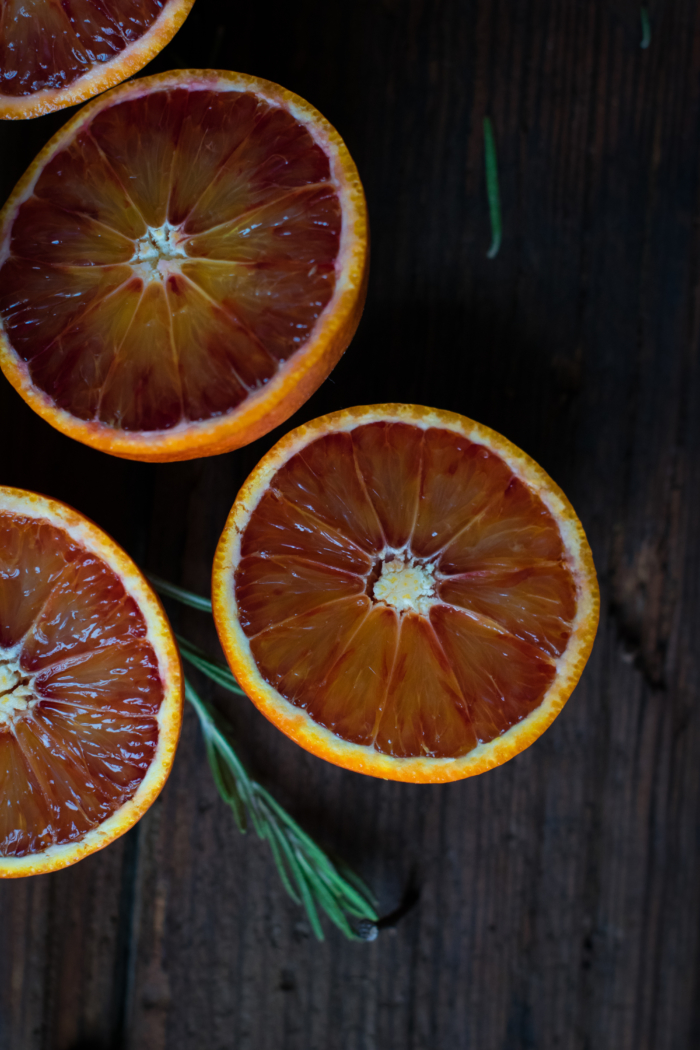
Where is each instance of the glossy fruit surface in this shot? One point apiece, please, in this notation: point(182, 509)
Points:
point(58, 54)
point(405, 593)
point(90, 687)
point(182, 265)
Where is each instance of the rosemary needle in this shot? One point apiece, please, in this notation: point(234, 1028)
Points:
point(170, 590)
point(308, 874)
point(646, 27)
point(211, 668)
point(492, 189)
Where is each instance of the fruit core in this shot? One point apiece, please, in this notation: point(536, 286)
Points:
point(16, 692)
point(155, 253)
point(406, 585)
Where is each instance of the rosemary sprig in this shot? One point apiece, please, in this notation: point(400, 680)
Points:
point(308, 874)
point(646, 27)
point(492, 190)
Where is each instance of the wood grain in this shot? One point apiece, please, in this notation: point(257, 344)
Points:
point(559, 902)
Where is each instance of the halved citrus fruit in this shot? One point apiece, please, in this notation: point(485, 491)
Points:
point(405, 593)
point(58, 54)
point(90, 687)
point(182, 265)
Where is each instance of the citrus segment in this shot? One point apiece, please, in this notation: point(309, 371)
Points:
point(283, 529)
point(90, 692)
point(513, 529)
point(405, 593)
point(323, 481)
point(302, 649)
point(354, 693)
point(389, 457)
point(534, 604)
point(277, 588)
point(182, 266)
point(501, 678)
point(57, 54)
point(424, 711)
point(452, 463)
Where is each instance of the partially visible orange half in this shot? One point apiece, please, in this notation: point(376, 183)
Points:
point(58, 54)
point(405, 593)
point(181, 266)
point(90, 687)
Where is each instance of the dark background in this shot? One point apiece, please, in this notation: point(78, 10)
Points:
point(559, 893)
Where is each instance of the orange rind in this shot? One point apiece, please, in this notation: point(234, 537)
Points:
point(181, 266)
point(405, 593)
point(61, 56)
point(90, 687)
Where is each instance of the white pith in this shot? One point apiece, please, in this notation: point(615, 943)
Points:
point(406, 585)
point(17, 693)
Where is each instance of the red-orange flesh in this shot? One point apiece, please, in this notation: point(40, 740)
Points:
point(171, 258)
point(79, 689)
point(481, 653)
point(46, 45)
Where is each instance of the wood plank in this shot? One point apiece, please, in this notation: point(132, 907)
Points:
point(559, 903)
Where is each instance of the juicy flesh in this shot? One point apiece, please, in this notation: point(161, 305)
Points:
point(406, 589)
point(171, 258)
point(48, 45)
point(79, 689)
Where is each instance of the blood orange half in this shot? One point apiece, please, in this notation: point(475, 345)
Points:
point(57, 54)
point(90, 687)
point(182, 265)
point(405, 593)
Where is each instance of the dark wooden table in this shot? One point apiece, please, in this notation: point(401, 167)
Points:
point(559, 895)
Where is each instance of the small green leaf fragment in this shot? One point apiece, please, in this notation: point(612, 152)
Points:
point(492, 189)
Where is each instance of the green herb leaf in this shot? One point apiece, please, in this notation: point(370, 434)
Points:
point(492, 190)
